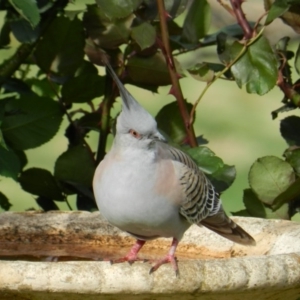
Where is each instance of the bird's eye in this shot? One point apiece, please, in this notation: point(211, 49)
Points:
point(135, 134)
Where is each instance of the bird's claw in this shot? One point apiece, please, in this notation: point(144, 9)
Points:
point(167, 259)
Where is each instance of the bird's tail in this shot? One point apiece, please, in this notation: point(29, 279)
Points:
point(224, 226)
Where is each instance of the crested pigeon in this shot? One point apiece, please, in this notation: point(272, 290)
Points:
point(150, 189)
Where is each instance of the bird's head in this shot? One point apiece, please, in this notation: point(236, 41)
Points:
point(135, 126)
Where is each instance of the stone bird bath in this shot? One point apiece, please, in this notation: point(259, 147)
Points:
point(55, 255)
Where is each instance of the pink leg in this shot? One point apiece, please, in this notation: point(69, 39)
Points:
point(131, 256)
point(169, 258)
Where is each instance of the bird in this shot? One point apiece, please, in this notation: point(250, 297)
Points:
point(151, 189)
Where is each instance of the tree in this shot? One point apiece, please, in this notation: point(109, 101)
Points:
point(54, 68)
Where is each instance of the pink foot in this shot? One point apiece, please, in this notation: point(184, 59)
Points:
point(169, 258)
point(131, 256)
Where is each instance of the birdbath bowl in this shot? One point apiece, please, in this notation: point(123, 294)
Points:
point(59, 255)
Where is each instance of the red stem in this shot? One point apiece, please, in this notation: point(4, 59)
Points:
point(165, 46)
point(241, 18)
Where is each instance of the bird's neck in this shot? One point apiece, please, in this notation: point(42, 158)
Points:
point(132, 152)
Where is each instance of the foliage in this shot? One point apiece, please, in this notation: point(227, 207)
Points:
point(54, 66)
point(274, 182)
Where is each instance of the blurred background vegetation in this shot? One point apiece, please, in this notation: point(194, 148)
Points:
point(238, 125)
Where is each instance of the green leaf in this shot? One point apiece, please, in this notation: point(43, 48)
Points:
point(202, 72)
point(83, 88)
point(144, 35)
point(76, 165)
point(290, 130)
point(61, 49)
point(173, 127)
point(294, 207)
point(288, 106)
point(233, 30)
point(269, 177)
point(205, 159)
point(282, 44)
point(197, 21)
point(291, 193)
point(139, 69)
point(24, 32)
point(86, 203)
point(257, 68)
point(28, 9)
point(253, 205)
point(293, 158)
point(220, 174)
point(2, 141)
point(22, 158)
point(79, 189)
point(46, 204)
point(297, 60)
point(228, 48)
point(278, 8)
point(31, 121)
point(3, 104)
point(15, 85)
point(5, 34)
point(201, 140)
point(42, 87)
point(9, 164)
point(90, 121)
point(74, 134)
point(86, 68)
point(256, 208)
point(149, 11)
point(4, 202)
point(118, 8)
point(40, 182)
point(104, 32)
point(223, 178)
point(291, 16)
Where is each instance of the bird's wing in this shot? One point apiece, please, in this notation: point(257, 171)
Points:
point(200, 198)
point(201, 203)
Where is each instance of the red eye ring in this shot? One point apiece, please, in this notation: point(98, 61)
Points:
point(135, 134)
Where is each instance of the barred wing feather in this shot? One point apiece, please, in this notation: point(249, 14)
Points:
point(202, 205)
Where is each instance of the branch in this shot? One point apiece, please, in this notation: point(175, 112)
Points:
point(213, 80)
point(218, 75)
point(8, 68)
point(104, 109)
point(174, 76)
point(241, 18)
point(227, 7)
point(105, 118)
point(288, 90)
